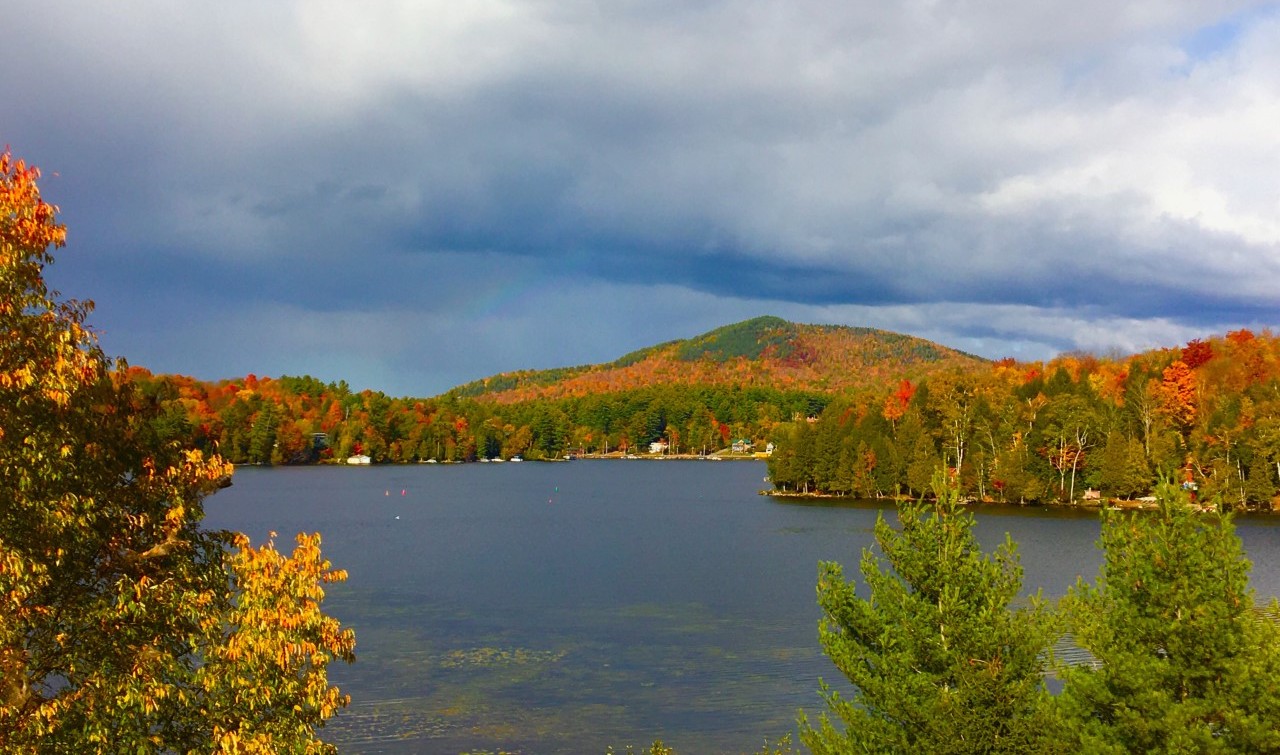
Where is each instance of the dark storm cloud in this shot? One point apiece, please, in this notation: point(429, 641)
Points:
point(418, 195)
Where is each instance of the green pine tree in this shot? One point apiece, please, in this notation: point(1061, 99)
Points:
point(940, 661)
point(1185, 663)
point(924, 463)
point(1259, 488)
point(1124, 471)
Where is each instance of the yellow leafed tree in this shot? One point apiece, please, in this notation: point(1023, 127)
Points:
point(124, 625)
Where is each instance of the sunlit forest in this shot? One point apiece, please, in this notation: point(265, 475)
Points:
point(1206, 415)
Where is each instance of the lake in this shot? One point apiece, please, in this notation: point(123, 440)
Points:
point(567, 607)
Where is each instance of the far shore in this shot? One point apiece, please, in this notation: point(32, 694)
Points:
point(1114, 504)
point(721, 456)
point(714, 456)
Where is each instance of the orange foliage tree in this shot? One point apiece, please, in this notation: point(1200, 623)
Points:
point(1177, 394)
point(124, 625)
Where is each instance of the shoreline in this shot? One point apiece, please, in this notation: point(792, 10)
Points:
point(555, 460)
point(1111, 504)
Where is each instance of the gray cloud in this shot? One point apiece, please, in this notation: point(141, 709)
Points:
point(461, 182)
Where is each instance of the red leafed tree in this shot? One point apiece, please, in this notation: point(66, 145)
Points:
point(895, 405)
point(1196, 353)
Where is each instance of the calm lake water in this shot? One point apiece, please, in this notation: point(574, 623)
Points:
point(549, 608)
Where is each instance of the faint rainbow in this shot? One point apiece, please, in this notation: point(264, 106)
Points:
point(503, 299)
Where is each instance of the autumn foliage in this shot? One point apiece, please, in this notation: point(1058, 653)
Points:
point(1207, 415)
point(125, 626)
point(766, 352)
point(700, 396)
point(1037, 432)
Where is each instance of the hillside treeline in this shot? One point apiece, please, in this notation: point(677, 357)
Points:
point(764, 352)
point(300, 420)
point(1206, 416)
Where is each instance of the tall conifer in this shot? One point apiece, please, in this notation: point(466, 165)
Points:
point(1185, 663)
point(940, 660)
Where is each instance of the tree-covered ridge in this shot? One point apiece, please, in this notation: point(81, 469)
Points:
point(510, 381)
point(750, 339)
point(764, 352)
point(1207, 415)
point(298, 420)
point(698, 406)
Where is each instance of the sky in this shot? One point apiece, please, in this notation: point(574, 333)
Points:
point(412, 195)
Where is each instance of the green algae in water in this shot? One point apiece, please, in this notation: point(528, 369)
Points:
point(490, 657)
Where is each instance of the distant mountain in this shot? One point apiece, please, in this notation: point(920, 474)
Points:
point(765, 351)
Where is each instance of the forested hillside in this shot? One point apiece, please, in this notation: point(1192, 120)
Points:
point(698, 396)
point(1206, 416)
point(765, 352)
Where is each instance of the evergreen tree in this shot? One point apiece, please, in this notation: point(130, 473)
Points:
point(1185, 663)
point(940, 661)
point(548, 433)
point(924, 463)
point(1123, 471)
point(262, 438)
point(1259, 488)
point(805, 440)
